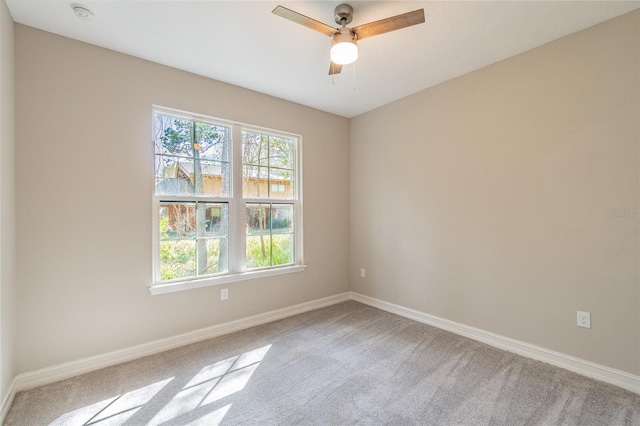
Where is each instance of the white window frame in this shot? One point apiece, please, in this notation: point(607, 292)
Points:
point(237, 206)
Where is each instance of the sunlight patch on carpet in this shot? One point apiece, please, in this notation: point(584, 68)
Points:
point(211, 384)
point(114, 410)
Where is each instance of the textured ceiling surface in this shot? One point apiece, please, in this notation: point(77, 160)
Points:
point(243, 43)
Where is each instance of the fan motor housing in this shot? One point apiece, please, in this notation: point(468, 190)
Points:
point(343, 14)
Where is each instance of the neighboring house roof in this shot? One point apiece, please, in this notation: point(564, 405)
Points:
point(174, 186)
point(208, 169)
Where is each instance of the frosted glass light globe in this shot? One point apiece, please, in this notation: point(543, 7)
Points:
point(344, 50)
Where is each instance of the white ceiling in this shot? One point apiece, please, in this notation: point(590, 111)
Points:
point(243, 43)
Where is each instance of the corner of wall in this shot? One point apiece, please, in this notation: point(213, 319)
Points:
point(7, 208)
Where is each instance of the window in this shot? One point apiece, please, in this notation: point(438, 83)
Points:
point(226, 201)
point(277, 187)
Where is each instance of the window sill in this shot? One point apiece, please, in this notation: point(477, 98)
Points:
point(207, 282)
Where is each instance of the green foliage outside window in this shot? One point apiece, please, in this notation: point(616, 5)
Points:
point(179, 252)
point(275, 251)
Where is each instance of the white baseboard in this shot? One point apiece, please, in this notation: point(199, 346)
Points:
point(7, 401)
point(85, 365)
point(63, 371)
point(577, 365)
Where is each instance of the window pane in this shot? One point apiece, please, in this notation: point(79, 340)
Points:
point(255, 148)
point(255, 182)
point(171, 176)
point(258, 217)
point(177, 220)
point(212, 142)
point(172, 135)
point(283, 179)
point(217, 220)
point(282, 153)
point(258, 251)
point(282, 249)
point(258, 244)
point(216, 255)
point(177, 259)
point(212, 253)
point(266, 250)
point(211, 178)
point(281, 219)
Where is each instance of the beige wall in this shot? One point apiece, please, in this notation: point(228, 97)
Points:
point(7, 201)
point(84, 182)
point(484, 200)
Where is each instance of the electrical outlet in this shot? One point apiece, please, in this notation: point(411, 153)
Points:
point(584, 319)
point(224, 294)
point(362, 274)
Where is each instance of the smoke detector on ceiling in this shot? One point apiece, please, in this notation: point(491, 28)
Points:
point(82, 12)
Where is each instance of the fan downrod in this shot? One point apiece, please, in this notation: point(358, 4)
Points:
point(343, 14)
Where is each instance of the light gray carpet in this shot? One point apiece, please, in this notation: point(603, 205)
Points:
point(341, 365)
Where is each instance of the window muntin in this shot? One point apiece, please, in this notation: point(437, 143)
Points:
point(207, 226)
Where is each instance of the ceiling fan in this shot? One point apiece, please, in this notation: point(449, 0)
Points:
point(344, 48)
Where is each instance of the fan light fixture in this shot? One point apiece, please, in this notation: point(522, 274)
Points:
point(344, 49)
